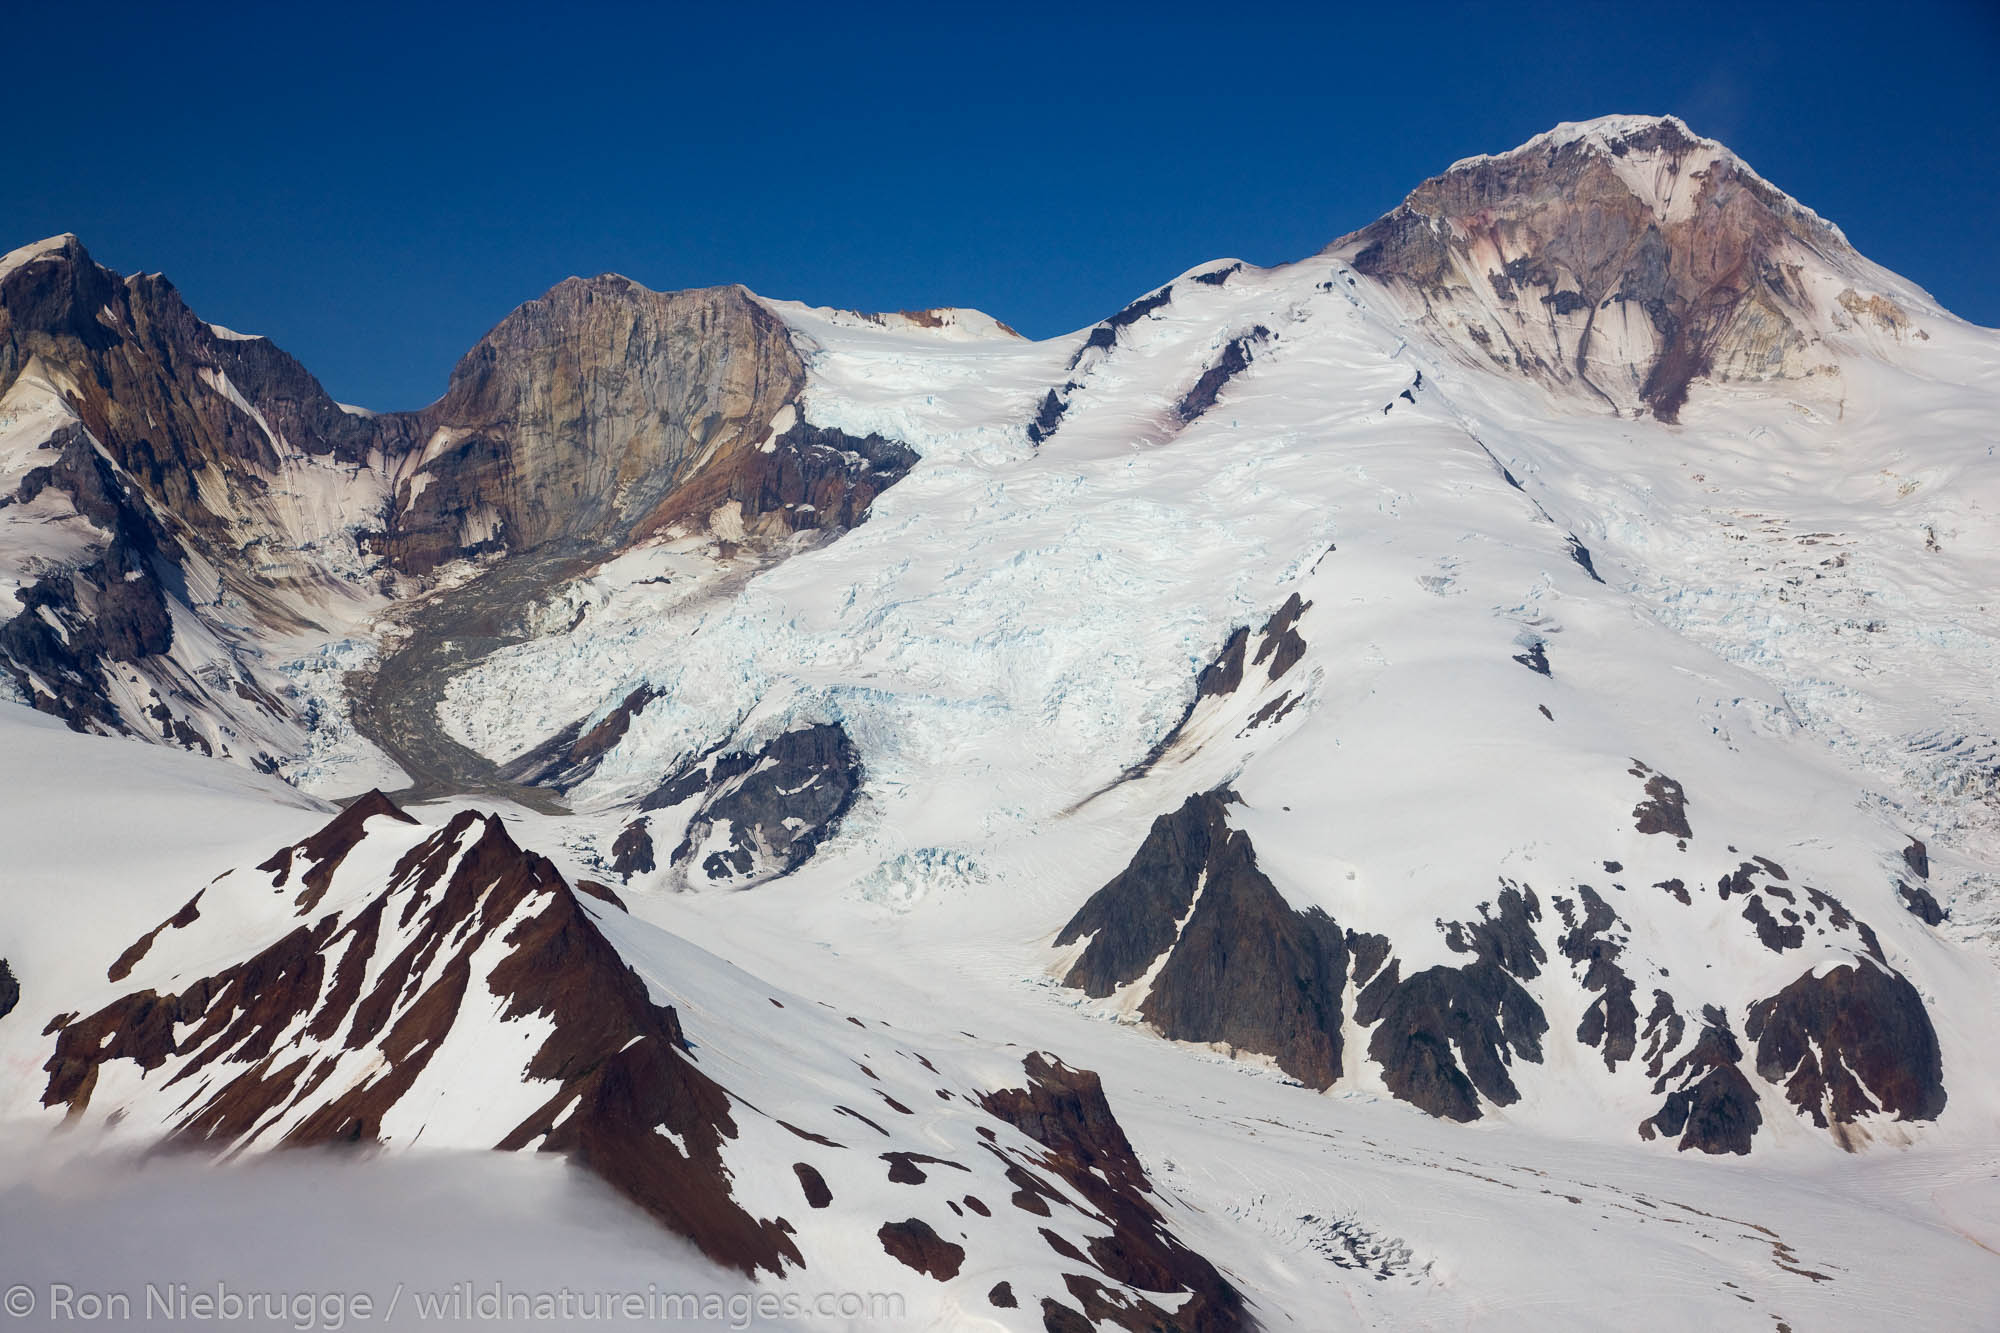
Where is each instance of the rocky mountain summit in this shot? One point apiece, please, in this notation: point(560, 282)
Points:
point(1627, 258)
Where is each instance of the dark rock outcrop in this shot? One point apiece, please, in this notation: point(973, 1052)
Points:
point(187, 916)
point(1225, 673)
point(1712, 1106)
point(775, 807)
point(1919, 903)
point(1282, 644)
point(570, 756)
point(1445, 1036)
point(632, 850)
point(1050, 414)
point(10, 989)
point(914, 1244)
point(813, 1184)
point(114, 608)
point(1104, 337)
point(1612, 1021)
point(1064, 1110)
point(1665, 808)
point(1242, 967)
point(1235, 359)
point(1581, 554)
point(1853, 1042)
point(812, 478)
point(1136, 917)
point(1254, 974)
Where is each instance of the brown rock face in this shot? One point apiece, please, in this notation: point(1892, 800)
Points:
point(1064, 1111)
point(139, 367)
point(1627, 259)
point(579, 414)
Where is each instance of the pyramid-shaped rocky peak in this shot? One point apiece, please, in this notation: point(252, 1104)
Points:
point(1624, 257)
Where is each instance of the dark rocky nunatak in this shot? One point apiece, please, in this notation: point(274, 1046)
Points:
point(812, 478)
point(914, 1244)
point(1445, 1036)
point(1282, 644)
point(775, 810)
point(1225, 673)
point(1235, 359)
point(1105, 336)
point(813, 1184)
point(572, 754)
point(1852, 1042)
point(1135, 918)
point(1921, 904)
point(632, 850)
point(1612, 1021)
point(1665, 808)
point(1050, 414)
point(1712, 1106)
point(1245, 970)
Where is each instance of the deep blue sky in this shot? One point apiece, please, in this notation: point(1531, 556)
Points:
point(374, 189)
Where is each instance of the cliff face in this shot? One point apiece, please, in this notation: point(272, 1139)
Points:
point(580, 413)
point(1624, 257)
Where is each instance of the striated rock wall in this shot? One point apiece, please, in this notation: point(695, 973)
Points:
point(581, 412)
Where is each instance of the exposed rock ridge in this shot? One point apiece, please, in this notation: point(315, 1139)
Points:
point(764, 813)
point(319, 1036)
point(1064, 1110)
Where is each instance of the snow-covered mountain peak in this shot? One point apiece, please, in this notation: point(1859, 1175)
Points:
point(1618, 261)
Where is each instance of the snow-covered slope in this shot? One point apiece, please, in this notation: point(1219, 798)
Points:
point(1480, 738)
